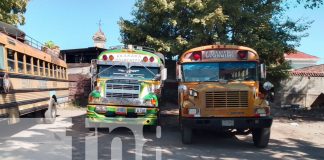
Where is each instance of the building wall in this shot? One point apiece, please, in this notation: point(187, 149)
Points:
point(80, 85)
point(300, 90)
point(296, 64)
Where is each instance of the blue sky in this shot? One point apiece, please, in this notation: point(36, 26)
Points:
point(72, 23)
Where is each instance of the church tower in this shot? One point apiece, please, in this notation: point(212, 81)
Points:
point(99, 38)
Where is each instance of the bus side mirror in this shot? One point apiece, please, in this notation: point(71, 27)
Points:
point(164, 74)
point(178, 72)
point(263, 71)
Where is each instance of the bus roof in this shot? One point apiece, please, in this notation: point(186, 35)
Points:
point(29, 50)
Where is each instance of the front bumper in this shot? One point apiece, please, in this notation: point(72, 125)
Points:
point(227, 123)
point(95, 119)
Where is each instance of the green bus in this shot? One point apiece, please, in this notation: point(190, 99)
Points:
point(127, 83)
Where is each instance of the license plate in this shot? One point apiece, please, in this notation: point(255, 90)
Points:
point(140, 110)
point(227, 123)
point(121, 110)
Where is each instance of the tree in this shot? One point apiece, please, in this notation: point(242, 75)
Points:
point(11, 11)
point(173, 26)
point(311, 3)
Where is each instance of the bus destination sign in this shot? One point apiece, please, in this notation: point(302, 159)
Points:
point(215, 54)
point(128, 57)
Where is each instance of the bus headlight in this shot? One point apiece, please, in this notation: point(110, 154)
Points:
point(262, 112)
point(193, 93)
point(194, 112)
point(153, 88)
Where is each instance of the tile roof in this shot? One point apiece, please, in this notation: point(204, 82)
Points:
point(311, 71)
point(300, 55)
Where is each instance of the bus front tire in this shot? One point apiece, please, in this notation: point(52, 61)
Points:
point(50, 114)
point(186, 135)
point(261, 137)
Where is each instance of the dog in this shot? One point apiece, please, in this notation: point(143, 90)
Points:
point(6, 83)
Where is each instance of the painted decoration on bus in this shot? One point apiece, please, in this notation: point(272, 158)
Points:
point(125, 57)
point(207, 55)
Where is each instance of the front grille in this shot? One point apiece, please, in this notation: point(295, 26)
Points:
point(227, 99)
point(122, 89)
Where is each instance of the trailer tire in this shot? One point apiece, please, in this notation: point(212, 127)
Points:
point(50, 114)
point(261, 137)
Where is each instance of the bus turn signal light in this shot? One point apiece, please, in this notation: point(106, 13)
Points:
point(152, 59)
point(145, 59)
point(104, 57)
point(153, 101)
point(111, 57)
point(262, 112)
point(243, 54)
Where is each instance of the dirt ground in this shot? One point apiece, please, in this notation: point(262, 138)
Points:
point(291, 138)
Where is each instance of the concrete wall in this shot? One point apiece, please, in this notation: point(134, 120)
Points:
point(303, 91)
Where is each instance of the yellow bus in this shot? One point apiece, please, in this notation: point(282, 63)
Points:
point(219, 89)
point(30, 79)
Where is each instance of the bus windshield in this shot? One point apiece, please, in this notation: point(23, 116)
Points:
point(140, 72)
point(220, 71)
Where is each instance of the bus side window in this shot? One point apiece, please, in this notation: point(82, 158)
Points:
point(11, 60)
point(20, 57)
point(50, 70)
point(2, 58)
point(41, 67)
point(28, 65)
point(55, 71)
point(36, 61)
point(59, 72)
point(46, 69)
point(64, 73)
